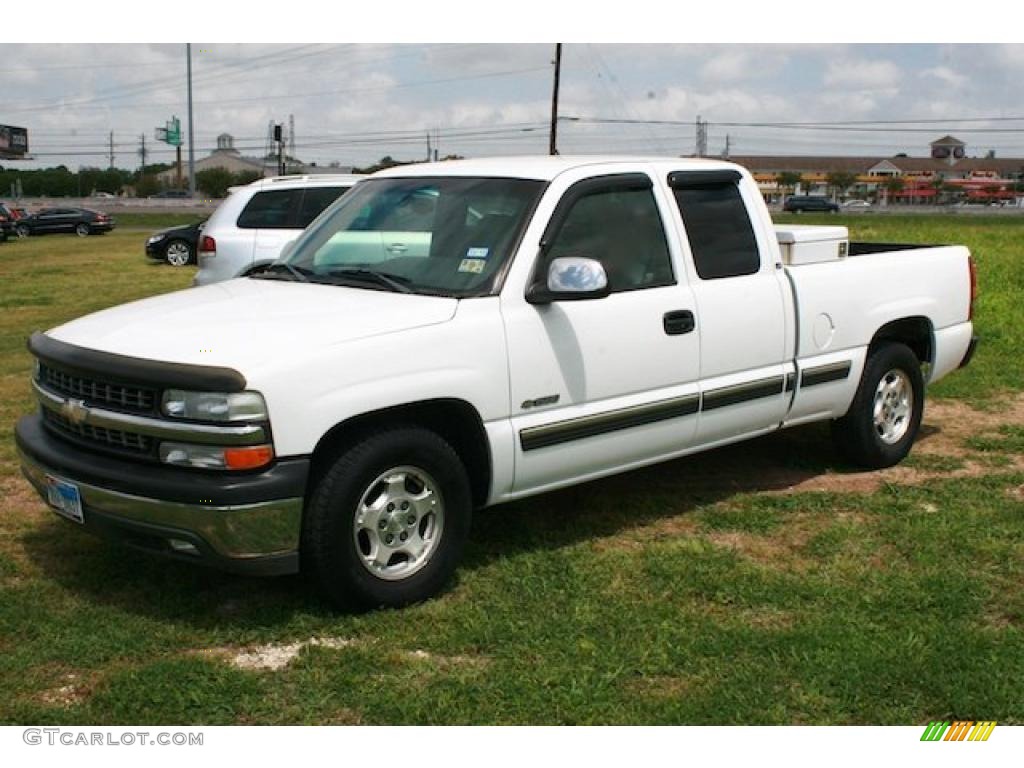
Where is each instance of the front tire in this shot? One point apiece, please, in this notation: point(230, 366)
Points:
point(22, 231)
point(882, 423)
point(387, 522)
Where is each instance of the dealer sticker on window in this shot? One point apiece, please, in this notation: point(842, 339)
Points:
point(473, 266)
point(477, 253)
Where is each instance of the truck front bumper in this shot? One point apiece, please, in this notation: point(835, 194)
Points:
point(247, 523)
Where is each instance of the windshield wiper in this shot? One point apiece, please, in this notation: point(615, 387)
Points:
point(296, 272)
point(394, 282)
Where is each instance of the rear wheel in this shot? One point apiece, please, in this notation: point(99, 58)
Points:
point(387, 523)
point(883, 421)
point(178, 253)
point(82, 230)
point(22, 231)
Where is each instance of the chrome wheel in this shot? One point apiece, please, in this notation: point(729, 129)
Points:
point(82, 230)
point(398, 523)
point(178, 253)
point(893, 406)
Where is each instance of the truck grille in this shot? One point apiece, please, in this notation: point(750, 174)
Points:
point(100, 436)
point(94, 392)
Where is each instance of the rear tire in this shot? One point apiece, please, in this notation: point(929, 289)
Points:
point(178, 253)
point(82, 230)
point(22, 231)
point(882, 423)
point(386, 524)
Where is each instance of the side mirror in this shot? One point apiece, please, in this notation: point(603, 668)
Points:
point(570, 278)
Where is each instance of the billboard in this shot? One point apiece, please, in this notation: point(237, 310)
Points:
point(13, 141)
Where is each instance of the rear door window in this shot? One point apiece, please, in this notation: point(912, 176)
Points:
point(315, 200)
point(275, 209)
point(718, 226)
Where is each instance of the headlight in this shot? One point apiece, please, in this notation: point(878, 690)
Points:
point(155, 239)
point(214, 406)
point(216, 457)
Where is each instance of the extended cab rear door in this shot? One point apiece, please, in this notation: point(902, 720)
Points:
point(743, 305)
point(601, 383)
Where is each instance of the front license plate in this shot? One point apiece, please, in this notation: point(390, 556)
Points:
point(64, 498)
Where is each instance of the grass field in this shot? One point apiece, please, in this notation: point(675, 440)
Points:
point(764, 583)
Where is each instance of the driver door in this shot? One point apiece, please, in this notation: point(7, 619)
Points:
point(603, 383)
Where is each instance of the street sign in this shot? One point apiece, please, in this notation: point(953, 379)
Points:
point(170, 133)
point(174, 132)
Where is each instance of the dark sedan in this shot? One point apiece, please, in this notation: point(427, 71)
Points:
point(177, 246)
point(810, 203)
point(81, 221)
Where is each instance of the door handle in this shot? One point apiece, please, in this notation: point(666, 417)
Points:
point(678, 322)
point(396, 248)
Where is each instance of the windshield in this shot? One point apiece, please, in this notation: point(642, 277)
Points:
point(438, 235)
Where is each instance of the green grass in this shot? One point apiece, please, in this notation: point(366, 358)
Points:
point(158, 220)
point(691, 592)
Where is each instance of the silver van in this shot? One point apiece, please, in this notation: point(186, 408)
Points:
point(255, 222)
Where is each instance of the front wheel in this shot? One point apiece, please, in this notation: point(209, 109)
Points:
point(386, 524)
point(22, 231)
point(882, 423)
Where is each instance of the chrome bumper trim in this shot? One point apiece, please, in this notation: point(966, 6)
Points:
point(239, 532)
point(185, 432)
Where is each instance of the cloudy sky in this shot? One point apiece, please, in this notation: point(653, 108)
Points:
point(354, 103)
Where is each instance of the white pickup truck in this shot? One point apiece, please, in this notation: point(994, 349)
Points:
point(457, 335)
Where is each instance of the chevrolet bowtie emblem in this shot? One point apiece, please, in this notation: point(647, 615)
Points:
point(74, 411)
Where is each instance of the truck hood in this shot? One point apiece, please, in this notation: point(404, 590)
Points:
point(247, 324)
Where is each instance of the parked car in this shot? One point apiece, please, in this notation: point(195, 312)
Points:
point(81, 221)
point(256, 221)
point(350, 415)
point(809, 203)
point(6, 223)
point(177, 245)
point(856, 204)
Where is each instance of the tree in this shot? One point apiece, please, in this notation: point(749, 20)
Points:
point(841, 181)
point(247, 177)
point(787, 180)
point(893, 185)
point(385, 162)
point(215, 181)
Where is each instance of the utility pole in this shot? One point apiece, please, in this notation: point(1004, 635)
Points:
point(142, 152)
point(727, 147)
point(279, 138)
point(111, 150)
point(553, 142)
point(437, 142)
point(291, 136)
point(701, 149)
point(430, 152)
point(191, 145)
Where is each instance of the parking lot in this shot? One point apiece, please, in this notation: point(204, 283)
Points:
point(763, 583)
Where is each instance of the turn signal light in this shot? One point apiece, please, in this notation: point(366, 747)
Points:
point(249, 457)
point(974, 286)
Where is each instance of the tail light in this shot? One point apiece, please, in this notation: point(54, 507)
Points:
point(974, 286)
point(207, 246)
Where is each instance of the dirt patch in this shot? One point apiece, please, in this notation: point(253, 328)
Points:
point(1017, 494)
point(275, 656)
point(945, 430)
point(73, 691)
point(665, 686)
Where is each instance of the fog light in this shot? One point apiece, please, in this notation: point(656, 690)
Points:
point(183, 547)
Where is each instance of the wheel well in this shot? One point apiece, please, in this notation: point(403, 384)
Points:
point(915, 332)
point(456, 421)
